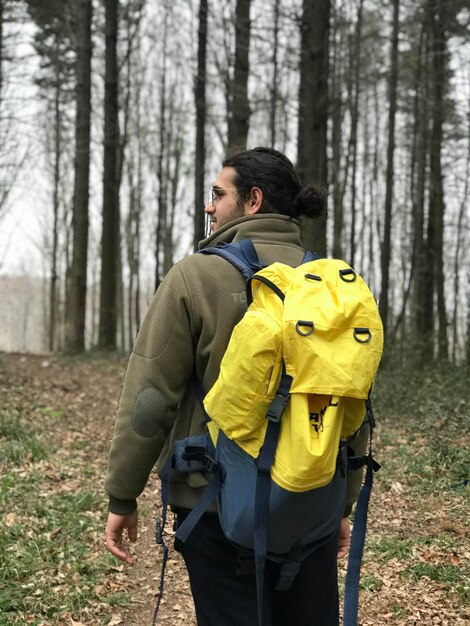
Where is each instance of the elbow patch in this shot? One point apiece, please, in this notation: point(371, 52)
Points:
point(149, 411)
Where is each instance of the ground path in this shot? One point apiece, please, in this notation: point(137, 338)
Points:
point(84, 393)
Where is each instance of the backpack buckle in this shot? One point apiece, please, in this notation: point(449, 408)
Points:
point(276, 408)
point(210, 465)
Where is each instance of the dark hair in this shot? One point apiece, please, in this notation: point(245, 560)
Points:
point(274, 174)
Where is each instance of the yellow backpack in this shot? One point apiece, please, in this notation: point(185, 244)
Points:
point(319, 322)
point(293, 387)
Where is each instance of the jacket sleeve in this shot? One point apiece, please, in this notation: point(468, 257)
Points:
point(158, 372)
point(359, 446)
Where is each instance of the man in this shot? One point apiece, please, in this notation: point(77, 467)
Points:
point(256, 196)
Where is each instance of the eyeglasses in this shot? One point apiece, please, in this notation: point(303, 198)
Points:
point(216, 193)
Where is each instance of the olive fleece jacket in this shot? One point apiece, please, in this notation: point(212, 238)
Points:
point(184, 334)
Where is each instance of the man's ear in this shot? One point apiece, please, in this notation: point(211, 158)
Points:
point(255, 201)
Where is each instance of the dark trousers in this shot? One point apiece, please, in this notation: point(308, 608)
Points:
point(223, 583)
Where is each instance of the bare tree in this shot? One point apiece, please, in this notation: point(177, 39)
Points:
point(438, 14)
point(110, 236)
point(12, 153)
point(274, 86)
point(77, 287)
point(392, 96)
point(355, 88)
point(200, 102)
point(239, 111)
point(313, 110)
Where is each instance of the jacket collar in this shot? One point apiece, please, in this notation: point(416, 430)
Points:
point(265, 227)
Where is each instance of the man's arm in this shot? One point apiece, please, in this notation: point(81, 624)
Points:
point(159, 369)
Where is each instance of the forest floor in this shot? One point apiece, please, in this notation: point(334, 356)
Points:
point(56, 420)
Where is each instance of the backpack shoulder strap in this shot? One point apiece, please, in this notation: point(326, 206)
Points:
point(311, 256)
point(241, 255)
point(358, 536)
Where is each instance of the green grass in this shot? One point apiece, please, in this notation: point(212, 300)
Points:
point(18, 439)
point(424, 447)
point(452, 576)
point(51, 556)
point(427, 404)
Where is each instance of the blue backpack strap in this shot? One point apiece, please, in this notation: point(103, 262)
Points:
point(209, 495)
point(263, 483)
point(356, 550)
point(242, 255)
point(311, 256)
point(160, 529)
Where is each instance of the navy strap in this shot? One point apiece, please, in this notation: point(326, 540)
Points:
point(265, 281)
point(241, 254)
point(351, 591)
point(290, 569)
point(159, 531)
point(311, 256)
point(248, 249)
point(208, 496)
point(187, 526)
point(263, 483)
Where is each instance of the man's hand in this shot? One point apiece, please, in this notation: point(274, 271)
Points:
point(114, 534)
point(344, 537)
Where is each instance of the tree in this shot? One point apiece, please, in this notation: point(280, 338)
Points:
point(200, 103)
point(77, 284)
point(239, 111)
point(110, 236)
point(355, 88)
point(131, 158)
point(12, 152)
point(313, 110)
point(392, 97)
point(274, 86)
point(55, 81)
point(438, 18)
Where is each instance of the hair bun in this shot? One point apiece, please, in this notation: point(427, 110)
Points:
point(310, 201)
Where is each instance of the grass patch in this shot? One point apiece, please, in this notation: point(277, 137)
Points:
point(52, 562)
point(452, 576)
point(18, 439)
point(429, 407)
point(371, 583)
point(51, 412)
point(49, 556)
point(436, 572)
point(387, 548)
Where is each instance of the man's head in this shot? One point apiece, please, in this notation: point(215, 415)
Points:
point(261, 180)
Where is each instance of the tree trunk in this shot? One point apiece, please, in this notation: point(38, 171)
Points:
point(436, 194)
point(458, 252)
point(423, 282)
point(239, 114)
point(274, 90)
point(75, 327)
point(337, 123)
point(386, 243)
point(161, 175)
point(110, 236)
point(313, 111)
point(355, 63)
point(53, 337)
point(200, 102)
point(1, 53)
point(457, 266)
